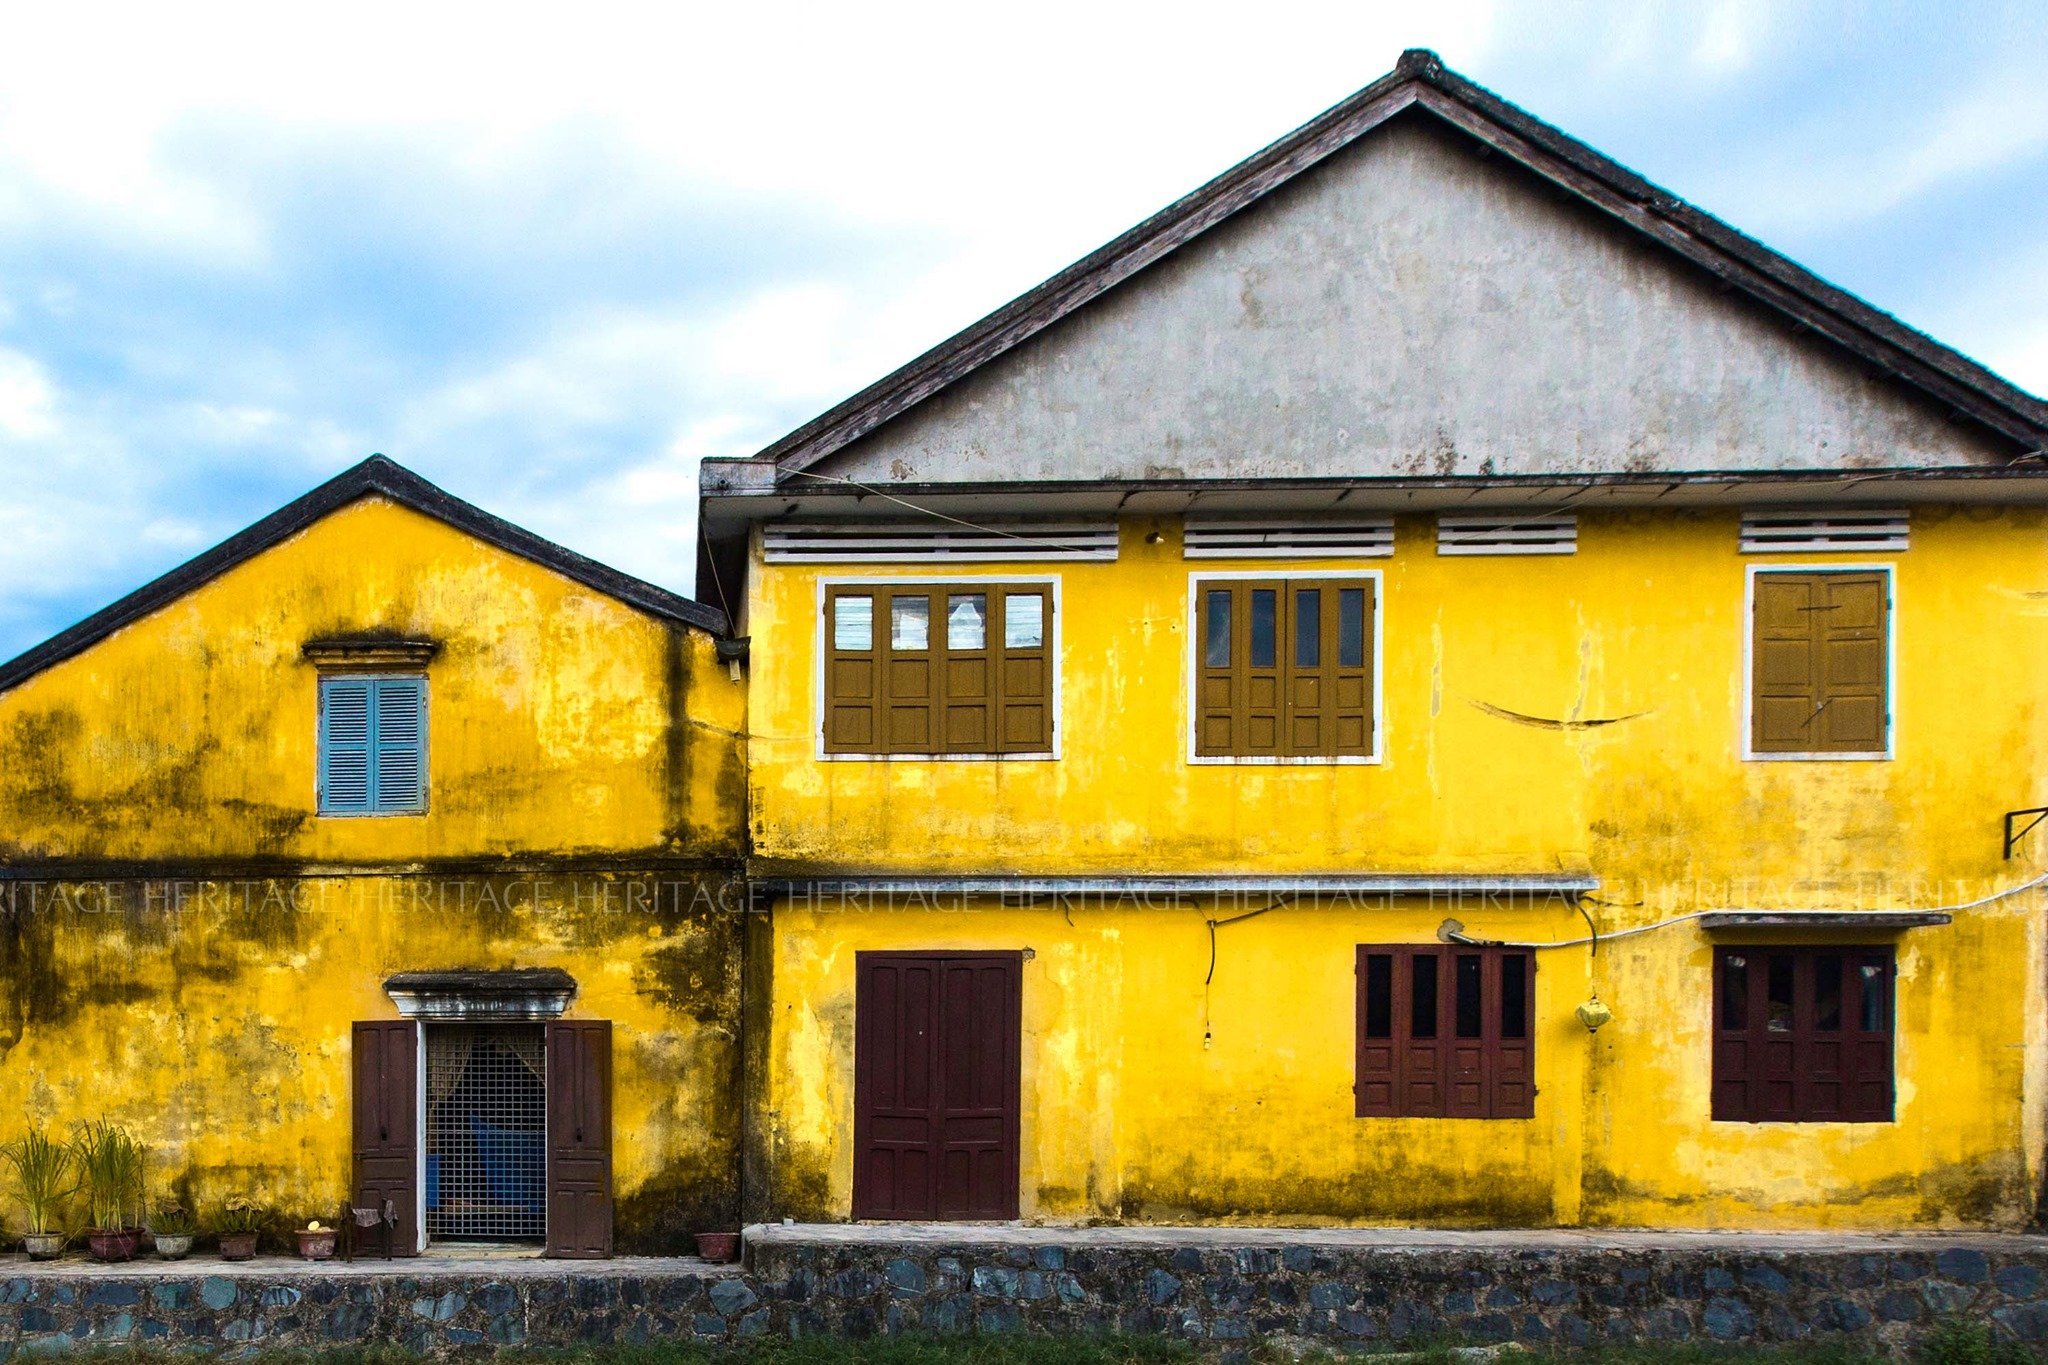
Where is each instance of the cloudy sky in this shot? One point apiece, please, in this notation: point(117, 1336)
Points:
point(550, 256)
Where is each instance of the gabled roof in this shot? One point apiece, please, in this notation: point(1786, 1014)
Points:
point(374, 476)
point(1421, 82)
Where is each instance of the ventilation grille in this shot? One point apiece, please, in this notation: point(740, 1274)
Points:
point(1521, 533)
point(1874, 528)
point(1351, 538)
point(847, 543)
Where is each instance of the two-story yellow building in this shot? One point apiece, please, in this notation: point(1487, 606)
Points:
point(1428, 682)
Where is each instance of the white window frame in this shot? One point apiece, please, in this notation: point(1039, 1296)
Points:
point(1191, 680)
point(1891, 663)
point(820, 648)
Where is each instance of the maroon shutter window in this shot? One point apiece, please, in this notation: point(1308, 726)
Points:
point(385, 1104)
point(579, 1101)
point(1802, 1035)
point(1445, 1032)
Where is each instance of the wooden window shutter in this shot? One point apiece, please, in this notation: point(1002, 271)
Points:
point(385, 1100)
point(853, 672)
point(1819, 663)
point(1802, 1035)
point(401, 735)
point(1375, 1093)
point(579, 1122)
point(344, 748)
point(1445, 1032)
point(1349, 666)
point(1020, 637)
point(968, 680)
point(1852, 644)
point(938, 668)
point(1284, 668)
point(1217, 612)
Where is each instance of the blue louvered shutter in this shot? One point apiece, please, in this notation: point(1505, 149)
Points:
point(401, 744)
point(345, 745)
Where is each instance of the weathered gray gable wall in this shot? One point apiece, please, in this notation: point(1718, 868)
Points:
point(1411, 307)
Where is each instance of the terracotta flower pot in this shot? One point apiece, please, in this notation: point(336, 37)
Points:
point(316, 1246)
point(237, 1246)
point(718, 1246)
point(173, 1246)
point(43, 1246)
point(113, 1244)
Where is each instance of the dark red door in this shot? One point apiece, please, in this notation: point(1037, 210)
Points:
point(386, 1102)
point(579, 1099)
point(936, 1082)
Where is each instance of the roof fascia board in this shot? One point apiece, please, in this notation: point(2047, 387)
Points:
point(755, 497)
point(1420, 79)
point(374, 476)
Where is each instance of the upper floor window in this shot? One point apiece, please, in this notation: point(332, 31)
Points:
point(1284, 667)
point(373, 745)
point(1819, 663)
point(1445, 1032)
point(1803, 1035)
point(939, 669)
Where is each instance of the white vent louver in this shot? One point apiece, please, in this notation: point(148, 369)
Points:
point(882, 542)
point(1288, 538)
point(1864, 528)
point(1515, 533)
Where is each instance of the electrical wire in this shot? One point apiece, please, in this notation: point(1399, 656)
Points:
point(1609, 937)
point(940, 516)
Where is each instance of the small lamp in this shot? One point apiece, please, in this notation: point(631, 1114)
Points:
point(1593, 1014)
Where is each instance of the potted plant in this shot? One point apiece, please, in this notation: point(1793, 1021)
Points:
point(316, 1243)
point(172, 1228)
point(718, 1246)
point(110, 1171)
point(239, 1223)
point(44, 1177)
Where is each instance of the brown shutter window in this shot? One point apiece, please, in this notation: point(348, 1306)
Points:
point(938, 668)
point(1445, 1032)
point(1802, 1035)
point(1283, 668)
point(385, 1100)
point(579, 1100)
point(1818, 663)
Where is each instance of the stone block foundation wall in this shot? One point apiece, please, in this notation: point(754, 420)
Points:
point(1338, 1289)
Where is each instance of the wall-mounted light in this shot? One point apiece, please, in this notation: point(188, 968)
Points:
point(1593, 1014)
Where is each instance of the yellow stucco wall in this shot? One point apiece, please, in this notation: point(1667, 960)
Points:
point(184, 942)
point(1127, 1115)
point(211, 1017)
point(191, 734)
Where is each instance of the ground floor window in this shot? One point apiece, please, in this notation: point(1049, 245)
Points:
point(1802, 1035)
point(1444, 1032)
point(486, 1151)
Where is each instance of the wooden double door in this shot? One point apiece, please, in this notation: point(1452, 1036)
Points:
point(936, 1085)
point(389, 1109)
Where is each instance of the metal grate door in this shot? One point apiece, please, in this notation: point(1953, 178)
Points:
point(486, 1131)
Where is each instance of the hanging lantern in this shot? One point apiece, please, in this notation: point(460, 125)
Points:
point(1593, 1014)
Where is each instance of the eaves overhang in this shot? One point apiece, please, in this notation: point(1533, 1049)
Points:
point(1167, 889)
point(1860, 921)
point(740, 491)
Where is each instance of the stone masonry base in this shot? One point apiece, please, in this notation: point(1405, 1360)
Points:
point(1223, 1287)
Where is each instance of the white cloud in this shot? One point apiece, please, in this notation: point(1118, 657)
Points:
point(27, 399)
